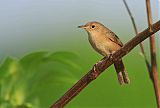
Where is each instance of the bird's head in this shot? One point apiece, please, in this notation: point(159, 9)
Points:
point(92, 27)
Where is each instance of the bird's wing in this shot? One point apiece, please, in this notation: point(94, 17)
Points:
point(114, 38)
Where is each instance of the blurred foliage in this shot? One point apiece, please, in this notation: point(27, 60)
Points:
point(29, 81)
point(40, 78)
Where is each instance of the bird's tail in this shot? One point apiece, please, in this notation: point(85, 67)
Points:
point(121, 72)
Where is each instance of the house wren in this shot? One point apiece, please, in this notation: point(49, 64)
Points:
point(105, 42)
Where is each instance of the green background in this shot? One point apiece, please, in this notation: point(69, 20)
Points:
point(43, 53)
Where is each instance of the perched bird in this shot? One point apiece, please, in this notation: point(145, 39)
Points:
point(105, 42)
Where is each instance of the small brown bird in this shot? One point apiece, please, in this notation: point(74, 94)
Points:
point(105, 42)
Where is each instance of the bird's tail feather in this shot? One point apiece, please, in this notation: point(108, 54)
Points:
point(121, 72)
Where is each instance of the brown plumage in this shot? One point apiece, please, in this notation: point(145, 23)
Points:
point(105, 42)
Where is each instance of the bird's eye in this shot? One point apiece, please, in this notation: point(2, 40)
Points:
point(93, 26)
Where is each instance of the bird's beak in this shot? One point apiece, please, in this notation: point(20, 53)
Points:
point(82, 26)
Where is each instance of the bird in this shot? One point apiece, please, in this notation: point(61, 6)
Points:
point(106, 42)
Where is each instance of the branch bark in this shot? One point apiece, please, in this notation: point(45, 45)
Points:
point(101, 66)
point(154, 72)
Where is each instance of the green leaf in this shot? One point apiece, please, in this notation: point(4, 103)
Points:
point(8, 67)
point(23, 82)
point(32, 59)
point(64, 58)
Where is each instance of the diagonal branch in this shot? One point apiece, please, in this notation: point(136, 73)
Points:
point(136, 32)
point(154, 72)
point(104, 64)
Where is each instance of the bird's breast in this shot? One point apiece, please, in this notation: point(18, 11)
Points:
point(99, 43)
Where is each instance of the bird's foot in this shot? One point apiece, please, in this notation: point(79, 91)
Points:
point(110, 56)
point(95, 72)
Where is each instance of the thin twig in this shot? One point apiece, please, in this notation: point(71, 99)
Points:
point(154, 71)
point(101, 66)
point(136, 32)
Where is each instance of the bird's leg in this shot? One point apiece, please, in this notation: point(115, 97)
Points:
point(105, 57)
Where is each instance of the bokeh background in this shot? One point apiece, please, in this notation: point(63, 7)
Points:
point(43, 53)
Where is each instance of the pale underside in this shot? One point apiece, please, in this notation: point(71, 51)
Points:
point(105, 45)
